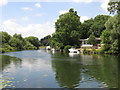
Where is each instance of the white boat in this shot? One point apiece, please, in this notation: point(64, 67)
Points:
point(53, 50)
point(73, 50)
point(48, 48)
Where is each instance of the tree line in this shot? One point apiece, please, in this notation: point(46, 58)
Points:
point(69, 31)
point(17, 42)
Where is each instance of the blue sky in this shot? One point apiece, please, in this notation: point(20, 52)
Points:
point(37, 18)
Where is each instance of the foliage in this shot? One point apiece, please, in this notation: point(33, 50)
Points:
point(106, 37)
point(111, 35)
point(5, 37)
point(85, 27)
point(5, 81)
point(33, 40)
point(67, 47)
point(59, 46)
point(92, 39)
point(29, 46)
point(67, 29)
point(98, 25)
point(115, 47)
point(106, 47)
point(45, 41)
point(17, 42)
point(7, 48)
point(114, 6)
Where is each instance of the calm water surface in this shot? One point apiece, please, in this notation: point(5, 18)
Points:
point(43, 69)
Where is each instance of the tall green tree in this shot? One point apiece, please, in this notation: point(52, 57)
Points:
point(113, 27)
point(85, 27)
point(67, 29)
point(16, 43)
point(114, 6)
point(5, 37)
point(92, 39)
point(98, 25)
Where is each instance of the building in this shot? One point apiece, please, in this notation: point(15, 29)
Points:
point(84, 44)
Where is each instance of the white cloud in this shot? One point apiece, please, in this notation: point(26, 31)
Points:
point(39, 15)
point(26, 8)
point(104, 5)
point(82, 1)
point(37, 5)
point(63, 11)
point(26, 18)
point(83, 18)
point(3, 2)
point(38, 30)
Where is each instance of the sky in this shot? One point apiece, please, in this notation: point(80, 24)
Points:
point(37, 17)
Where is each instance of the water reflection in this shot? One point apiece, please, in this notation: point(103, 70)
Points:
point(67, 72)
point(82, 70)
point(103, 68)
point(7, 61)
point(73, 54)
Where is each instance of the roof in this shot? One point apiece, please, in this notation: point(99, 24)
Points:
point(87, 45)
point(88, 38)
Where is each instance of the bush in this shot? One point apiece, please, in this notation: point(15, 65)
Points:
point(66, 48)
point(59, 46)
point(115, 47)
point(7, 48)
point(76, 46)
point(29, 46)
point(106, 47)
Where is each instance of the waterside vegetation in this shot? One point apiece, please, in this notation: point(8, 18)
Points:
point(69, 31)
point(17, 42)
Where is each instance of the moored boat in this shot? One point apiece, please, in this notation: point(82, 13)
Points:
point(73, 50)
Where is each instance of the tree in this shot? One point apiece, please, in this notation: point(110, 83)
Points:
point(105, 37)
point(114, 6)
point(5, 37)
point(111, 36)
point(16, 43)
point(92, 39)
point(29, 46)
point(98, 25)
point(19, 36)
point(85, 27)
point(67, 29)
point(33, 40)
point(45, 41)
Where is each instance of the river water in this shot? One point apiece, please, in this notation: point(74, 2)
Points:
point(44, 69)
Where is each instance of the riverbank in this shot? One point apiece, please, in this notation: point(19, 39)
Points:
point(83, 51)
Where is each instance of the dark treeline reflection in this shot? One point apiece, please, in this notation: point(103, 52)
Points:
point(69, 70)
point(6, 60)
point(105, 69)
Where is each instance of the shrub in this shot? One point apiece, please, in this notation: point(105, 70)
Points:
point(66, 48)
point(106, 47)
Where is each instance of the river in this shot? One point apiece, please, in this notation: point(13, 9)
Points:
point(43, 69)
